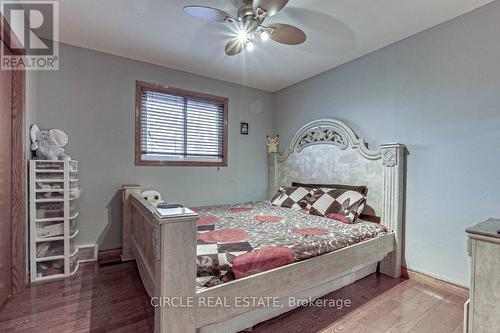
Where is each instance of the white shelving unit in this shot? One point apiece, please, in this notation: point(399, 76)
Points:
point(54, 194)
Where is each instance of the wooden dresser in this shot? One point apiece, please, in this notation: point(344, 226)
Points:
point(483, 311)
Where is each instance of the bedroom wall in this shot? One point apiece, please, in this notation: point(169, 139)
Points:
point(438, 93)
point(92, 97)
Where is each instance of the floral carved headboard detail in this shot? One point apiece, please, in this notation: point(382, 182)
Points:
point(329, 132)
point(322, 135)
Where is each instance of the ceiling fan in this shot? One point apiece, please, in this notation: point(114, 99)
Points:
point(250, 24)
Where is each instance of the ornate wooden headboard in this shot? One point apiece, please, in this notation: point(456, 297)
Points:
point(328, 151)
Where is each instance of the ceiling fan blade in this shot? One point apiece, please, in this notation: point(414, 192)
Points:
point(209, 14)
point(235, 46)
point(287, 34)
point(271, 7)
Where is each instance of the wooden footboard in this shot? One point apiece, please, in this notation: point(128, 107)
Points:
point(143, 235)
point(282, 282)
point(165, 250)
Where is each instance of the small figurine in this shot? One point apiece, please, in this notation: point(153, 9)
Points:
point(272, 144)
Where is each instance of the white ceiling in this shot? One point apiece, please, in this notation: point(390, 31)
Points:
point(157, 31)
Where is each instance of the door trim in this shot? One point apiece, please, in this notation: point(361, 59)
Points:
point(19, 274)
point(18, 232)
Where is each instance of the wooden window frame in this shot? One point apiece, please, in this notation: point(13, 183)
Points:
point(139, 161)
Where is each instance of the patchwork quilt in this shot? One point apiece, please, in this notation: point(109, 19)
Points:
point(236, 241)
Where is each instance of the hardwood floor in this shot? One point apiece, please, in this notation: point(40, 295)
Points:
point(97, 299)
point(112, 299)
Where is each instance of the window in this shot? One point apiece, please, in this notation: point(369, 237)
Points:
point(179, 128)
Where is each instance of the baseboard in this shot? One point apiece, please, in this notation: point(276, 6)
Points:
point(124, 259)
point(87, 252)
point(435, 281)
point(109, 256)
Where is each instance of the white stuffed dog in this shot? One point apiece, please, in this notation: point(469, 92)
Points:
point(154, 197)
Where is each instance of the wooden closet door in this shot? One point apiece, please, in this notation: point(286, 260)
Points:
point(5, 184)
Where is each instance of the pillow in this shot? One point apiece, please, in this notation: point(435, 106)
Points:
point(361, 189)
point(339, 204)
point(292, 197)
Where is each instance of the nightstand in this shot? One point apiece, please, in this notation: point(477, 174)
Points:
point(483, 311)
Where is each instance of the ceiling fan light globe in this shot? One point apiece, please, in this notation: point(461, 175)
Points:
point(242, 36)
point(250, 46)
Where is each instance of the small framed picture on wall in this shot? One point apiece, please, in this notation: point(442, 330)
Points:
point(244, 129)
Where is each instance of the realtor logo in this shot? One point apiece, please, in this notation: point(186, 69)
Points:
point(34, 25)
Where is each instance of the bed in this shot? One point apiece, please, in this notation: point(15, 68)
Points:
point(212, 258)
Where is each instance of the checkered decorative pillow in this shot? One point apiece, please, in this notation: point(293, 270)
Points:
point(292, 197)
point(339, 204)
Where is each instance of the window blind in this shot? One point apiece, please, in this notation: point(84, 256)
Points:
point(181, 128)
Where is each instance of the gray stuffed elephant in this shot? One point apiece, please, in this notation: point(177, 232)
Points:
point(48, 144)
